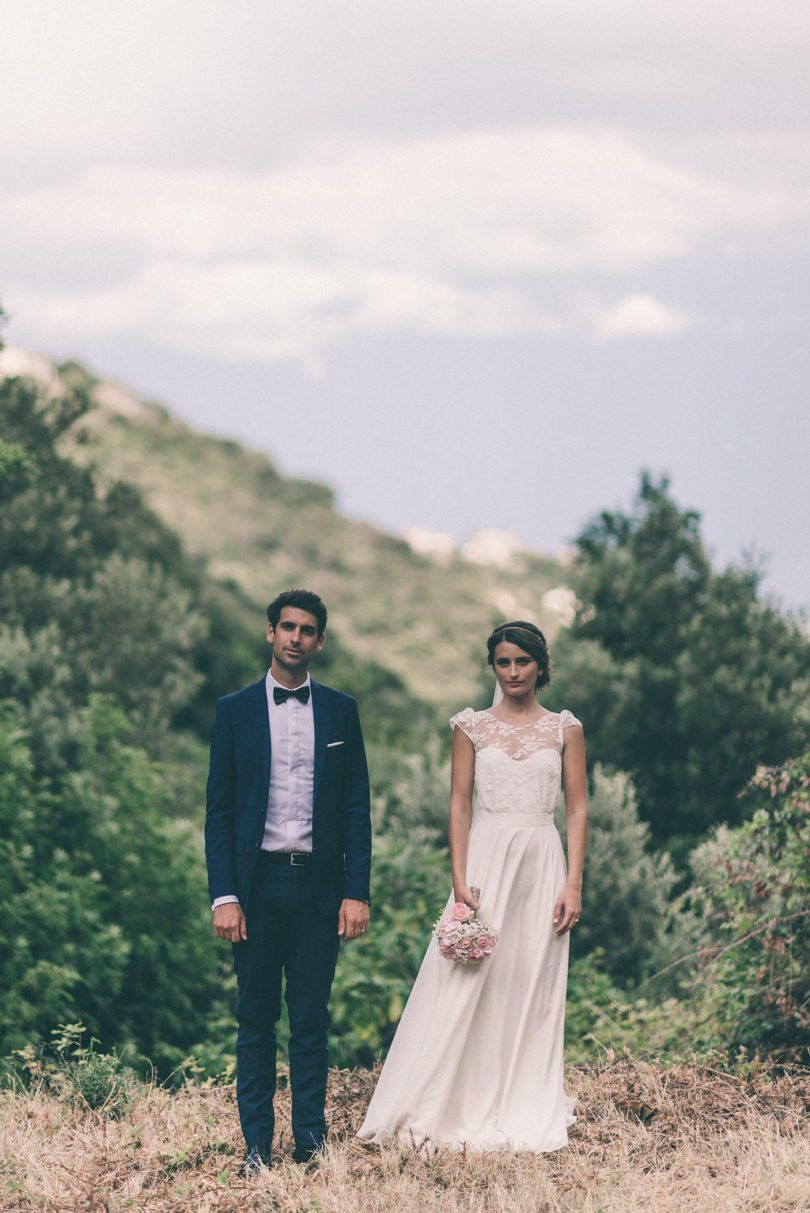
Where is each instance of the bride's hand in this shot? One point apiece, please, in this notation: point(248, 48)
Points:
point(463, 892)
point(567, 909)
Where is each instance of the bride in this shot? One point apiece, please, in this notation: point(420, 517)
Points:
point(477, 1060)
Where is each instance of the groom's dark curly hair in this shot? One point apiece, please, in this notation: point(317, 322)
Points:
point(305, 600)
point(526, 636)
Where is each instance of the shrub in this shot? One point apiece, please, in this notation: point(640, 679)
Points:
point(631, 922)
point(600, 1017)
point(78, 1074)
point(105, 911)
point(752, 888)
point(410, 884)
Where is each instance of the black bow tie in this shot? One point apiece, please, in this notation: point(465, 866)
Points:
point(281, 694)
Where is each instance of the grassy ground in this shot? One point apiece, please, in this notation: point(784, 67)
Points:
point(686, 1139)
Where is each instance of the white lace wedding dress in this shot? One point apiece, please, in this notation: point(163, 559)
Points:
point(477, 1059)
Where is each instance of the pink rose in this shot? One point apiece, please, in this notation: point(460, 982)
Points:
point(461, 912)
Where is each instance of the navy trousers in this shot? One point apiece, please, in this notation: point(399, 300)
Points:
point(285, 935)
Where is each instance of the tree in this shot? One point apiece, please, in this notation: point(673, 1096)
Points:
point(102, 647)
point(98, 594)
point(684, 676)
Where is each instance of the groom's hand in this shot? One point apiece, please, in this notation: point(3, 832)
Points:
point(353, 918)
point(229, 922)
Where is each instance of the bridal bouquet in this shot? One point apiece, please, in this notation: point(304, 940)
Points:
point(462, 937)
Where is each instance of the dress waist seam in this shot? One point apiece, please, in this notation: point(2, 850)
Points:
point(518, 820)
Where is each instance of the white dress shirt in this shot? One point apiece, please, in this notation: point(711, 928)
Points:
point(288, 824)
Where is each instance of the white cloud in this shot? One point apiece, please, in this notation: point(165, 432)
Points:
point(524, 201)
point(277, 310)
point(640, 316)
point(487, 234)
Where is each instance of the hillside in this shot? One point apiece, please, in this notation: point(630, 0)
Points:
point(422, 616)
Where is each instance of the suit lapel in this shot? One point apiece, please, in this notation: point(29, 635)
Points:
point(321, 711)
point(260, 723)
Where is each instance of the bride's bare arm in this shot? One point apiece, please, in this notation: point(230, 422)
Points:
point(461, 798)
point(569, 903)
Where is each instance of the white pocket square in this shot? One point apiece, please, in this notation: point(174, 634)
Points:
point(329, 744)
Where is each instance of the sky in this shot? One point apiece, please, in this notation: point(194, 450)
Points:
point(474, 264)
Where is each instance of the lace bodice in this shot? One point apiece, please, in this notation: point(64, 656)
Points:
point(519, 741)
point(517, 767)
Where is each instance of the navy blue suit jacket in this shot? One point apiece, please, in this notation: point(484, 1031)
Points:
point(238, 783)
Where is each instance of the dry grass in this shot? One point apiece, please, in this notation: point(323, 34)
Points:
point(684, 1139)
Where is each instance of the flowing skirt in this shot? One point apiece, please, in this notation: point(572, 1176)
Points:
point(477, 1060)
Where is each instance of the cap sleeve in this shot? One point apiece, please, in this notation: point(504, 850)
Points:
point(466, 722)
point(568, 719)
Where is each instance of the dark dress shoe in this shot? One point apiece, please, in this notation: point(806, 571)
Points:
point(308, 1155)
point(255, 1158)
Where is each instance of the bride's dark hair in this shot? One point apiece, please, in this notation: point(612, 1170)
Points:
point(526, 636)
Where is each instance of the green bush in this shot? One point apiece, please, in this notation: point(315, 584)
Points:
point(105, 914)
point(631, 920)
point(411, 880)
point(752, 889)
point(410, 790)
point(600, 1018)
point(77, 1073)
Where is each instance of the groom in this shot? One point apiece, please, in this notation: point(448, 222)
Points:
point(288, 848)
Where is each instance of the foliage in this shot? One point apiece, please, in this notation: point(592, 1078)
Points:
point(77, 1073)
point(752, 887)
point(602, 1018)
point(394, 721)
point(684, 676)
point(115, 643)
point(411, 883)
point(17, 470)
point(411, 790)
point(105, 912)
point(98, 595)
point(631, 919)
point(60, 524)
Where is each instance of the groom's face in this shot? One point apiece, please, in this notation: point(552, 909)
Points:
point(295, 642)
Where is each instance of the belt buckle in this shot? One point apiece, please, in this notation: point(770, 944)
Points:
point(298, 859)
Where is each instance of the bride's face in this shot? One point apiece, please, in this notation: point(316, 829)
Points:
point(515, 670)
